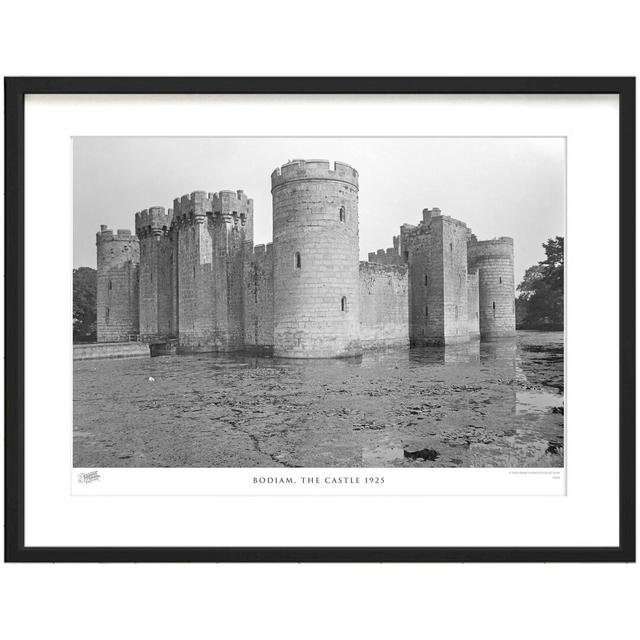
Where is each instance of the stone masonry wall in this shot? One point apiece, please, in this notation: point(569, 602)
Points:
point(426, 284)
point(384, 305)
point(155, 282)
point(166, 285)
point(454, 243)
point(473, 308)
point(316, 266)
point(258, 328)
point(117, 285)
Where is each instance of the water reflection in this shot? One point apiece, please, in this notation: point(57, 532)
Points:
point(478, 404)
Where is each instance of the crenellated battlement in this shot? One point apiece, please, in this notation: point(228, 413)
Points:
point(231, 205)
point(153, 221)
point(431, 219)
point(390, 256)
point(106, 235)
point(296, 170)
point(493, 241)
point(196, 204)
point(435, 215)
point(495, 248)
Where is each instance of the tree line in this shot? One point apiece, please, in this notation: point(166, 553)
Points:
point(85, 282)
point(540, 300)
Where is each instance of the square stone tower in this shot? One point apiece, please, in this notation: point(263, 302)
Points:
point(156, 274)
point(212, 236)
point(436, 252)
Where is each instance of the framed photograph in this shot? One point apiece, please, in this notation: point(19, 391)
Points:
point(320, 319)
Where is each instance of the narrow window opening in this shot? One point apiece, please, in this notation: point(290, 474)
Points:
point(343, 304)
point(494, 307)
point(194, 272)
point(107, 316)
point(426, 311)
point(426, 280)
point(476, 315)
point(500, 280)
point(451, 246)
point(342, 214)
point(110, 285)
point(298, 260)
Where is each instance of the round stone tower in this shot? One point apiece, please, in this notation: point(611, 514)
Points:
point(493, 260)
point(117, 290)
point(316, 264)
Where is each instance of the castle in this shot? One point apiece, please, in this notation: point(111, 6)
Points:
point(192, 278)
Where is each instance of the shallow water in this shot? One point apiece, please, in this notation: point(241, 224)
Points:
point(490, 404)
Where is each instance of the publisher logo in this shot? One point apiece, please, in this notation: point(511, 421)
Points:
point(90, 476)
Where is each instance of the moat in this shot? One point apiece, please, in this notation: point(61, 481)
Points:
point(489, 404)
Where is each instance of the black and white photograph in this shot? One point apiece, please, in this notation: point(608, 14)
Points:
point(292, 302)
point(320, 320)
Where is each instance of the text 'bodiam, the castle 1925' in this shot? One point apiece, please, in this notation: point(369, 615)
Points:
point(192, 277)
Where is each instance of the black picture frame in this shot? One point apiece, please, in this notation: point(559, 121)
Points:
point(15, 91)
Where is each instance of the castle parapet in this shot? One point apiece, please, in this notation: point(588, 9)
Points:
point(106, 235)
point(195, 205)
point(427, 214)
point(231, 206)
point(314, 170)
point(390, 256)
point(152, 222)
point(496, 248)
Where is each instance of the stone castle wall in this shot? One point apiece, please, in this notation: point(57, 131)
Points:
point(473, 305)
point(193, 274)
point(384, 305)
point(117, 285)
point(258, 322)
point(454, 246)
point(390, 256)
point(316, 265)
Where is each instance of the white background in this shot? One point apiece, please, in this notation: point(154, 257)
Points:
point(587, 516)
point(489, 38)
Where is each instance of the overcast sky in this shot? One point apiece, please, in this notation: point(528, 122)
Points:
point(497, 186)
